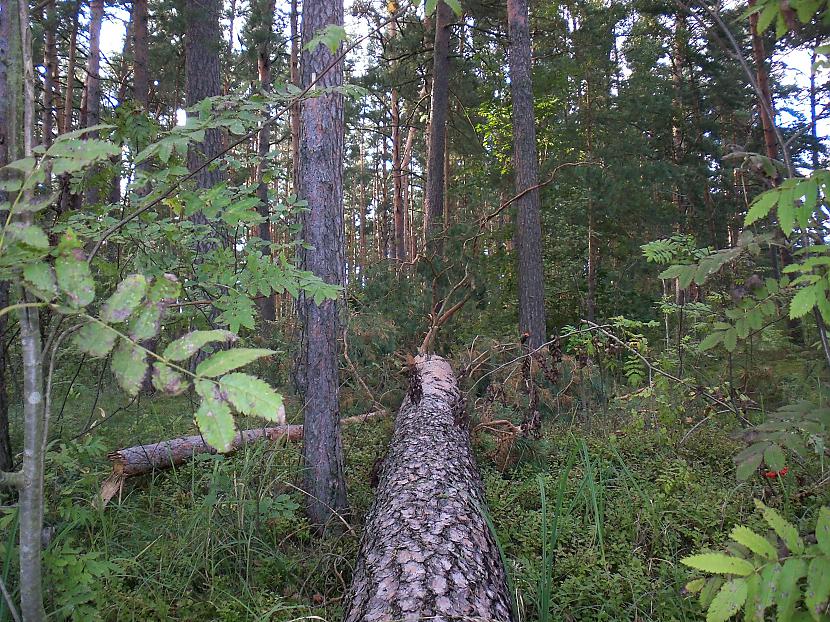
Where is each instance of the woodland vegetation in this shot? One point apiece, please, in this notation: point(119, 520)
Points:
point(447, 310)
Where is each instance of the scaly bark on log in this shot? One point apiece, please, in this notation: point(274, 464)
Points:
point(427, 551)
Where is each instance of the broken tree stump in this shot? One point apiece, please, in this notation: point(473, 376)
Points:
point(427, 551)
point(144, 459)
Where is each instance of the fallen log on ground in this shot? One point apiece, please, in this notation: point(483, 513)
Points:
point(427, 551)
point(144, 459)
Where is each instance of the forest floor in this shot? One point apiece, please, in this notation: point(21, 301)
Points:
point(224, 537)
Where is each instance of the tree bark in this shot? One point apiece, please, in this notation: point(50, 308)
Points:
point(203, 39)
point(321, 185)
point(69, 94)
point(526, 170)
point(759, 56)
point(50, 55)
point(8, 37)
point(294, 75)
point(34, 405)
point(91, 111)
point(427, 551)
point(141, 75)
point(399, 248)
point(439, 108)
point(267, 310)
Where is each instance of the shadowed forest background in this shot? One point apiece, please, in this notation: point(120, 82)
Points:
point(578, 246)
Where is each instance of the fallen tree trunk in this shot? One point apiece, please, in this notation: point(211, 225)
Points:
point(144, 459)
point(427, 551)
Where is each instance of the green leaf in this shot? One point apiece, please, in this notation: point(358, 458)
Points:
point(40, 280)
point(331, 36)
point(147, 322)
point(719, 563)
point(165, 288)
point(695, 585)
point(753, 599)
point(128, 295)
point(768, 14)
point(168, 380)
point(227, 360)
point(785, 530)
point(823, 530)
point(818, 586)
point(711, 340)
point(74, 278)
point(252, 396)
point(214, 417)
point(430, 6)
point(728, 601)
point(761, 206)
point(129, 366)
point(455, 5)
point(803, 301)
point(786, 211)
point(754, 542)
point(28, 235)
point(747, 466)
point(185, 347)
point(774, 457)
point(788, 593)
point(730, 340)
point(95, 339)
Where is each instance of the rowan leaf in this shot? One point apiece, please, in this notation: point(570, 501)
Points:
point(761, 206)
point(165, 288)
point(756, 543)
point(774, 457)
point(228, 360)
point(252, 396)
point(147, 322)
point(74, 278)
point(40, 280)
point(711, 340)
point(788, 593)
point(728, 601)
point(818, 586)
point(785, 530)
point(129, 365)
point(214, 417)
point(186, 346)
point(823, 530)
point(168, 380)
point(128, 295)
point(803, 302)
point(719, 563)
point(95, 339)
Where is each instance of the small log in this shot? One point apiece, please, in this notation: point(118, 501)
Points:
point(427, 551)
point(143, 459)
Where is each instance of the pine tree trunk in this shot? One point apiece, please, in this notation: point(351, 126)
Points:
point(321, 185)
point(439, 109)
point(427, 551)
point(203, 39)
point(267, 309)
point(294, 69)
point(69, 94)
point(50, 55)
point(759, 56)
point(7, 125)
point(141, 76)
point(526, 169)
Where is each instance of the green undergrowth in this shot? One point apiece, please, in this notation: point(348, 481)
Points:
point(224, 538)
